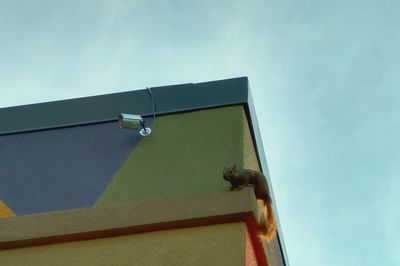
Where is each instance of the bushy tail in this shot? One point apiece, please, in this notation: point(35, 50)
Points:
point(266, 220)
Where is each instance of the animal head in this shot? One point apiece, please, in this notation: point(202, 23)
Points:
point(229, 172)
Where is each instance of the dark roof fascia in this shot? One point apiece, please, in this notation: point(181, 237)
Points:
point(103, 108)
point(259, 147)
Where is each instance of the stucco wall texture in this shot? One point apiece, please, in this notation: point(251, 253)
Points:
point(185, 154)
point(206, 245)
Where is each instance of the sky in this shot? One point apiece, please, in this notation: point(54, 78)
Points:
point(324, 76)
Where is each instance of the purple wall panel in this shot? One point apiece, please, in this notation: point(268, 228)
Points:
point(61, 168)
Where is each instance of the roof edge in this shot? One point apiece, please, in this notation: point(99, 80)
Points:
point(102, 108)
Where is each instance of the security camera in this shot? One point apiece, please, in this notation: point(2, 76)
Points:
point(130, 121)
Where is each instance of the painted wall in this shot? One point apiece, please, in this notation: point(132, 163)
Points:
point(185, 154)
point(62, 168)
point(207, 245)
point(5, 211)
point(76, 167)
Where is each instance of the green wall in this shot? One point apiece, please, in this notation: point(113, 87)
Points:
point(207, 245)
point(185, 154)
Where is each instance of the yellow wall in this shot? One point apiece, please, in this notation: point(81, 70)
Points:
point(207, 245)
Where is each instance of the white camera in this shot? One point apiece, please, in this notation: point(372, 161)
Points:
point(130, 121)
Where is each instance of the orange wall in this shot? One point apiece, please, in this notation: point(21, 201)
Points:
point(5, 211)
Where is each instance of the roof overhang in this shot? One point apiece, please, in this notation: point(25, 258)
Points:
point(103, 108)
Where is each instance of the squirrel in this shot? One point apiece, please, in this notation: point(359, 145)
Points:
point(240, 178)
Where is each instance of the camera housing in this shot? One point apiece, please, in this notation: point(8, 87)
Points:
point(130, 121)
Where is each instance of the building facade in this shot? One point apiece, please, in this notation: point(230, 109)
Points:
point(76, 189)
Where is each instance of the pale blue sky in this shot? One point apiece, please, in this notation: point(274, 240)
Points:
point(325, 77)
